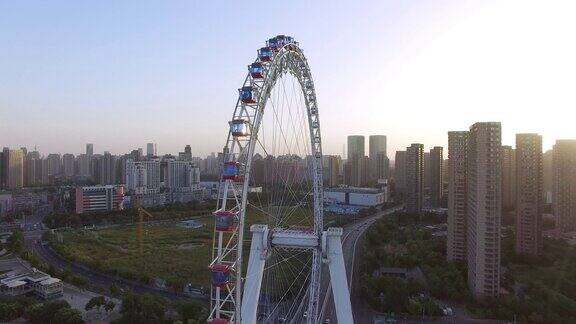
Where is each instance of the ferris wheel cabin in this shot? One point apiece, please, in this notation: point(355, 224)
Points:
point(224, 220)
point(220, 275)
point(248, 94)
point(256, 70)
point(272, 44)
point(231, 171)
point(240, 128)
point(265, 54)
point(219, 321)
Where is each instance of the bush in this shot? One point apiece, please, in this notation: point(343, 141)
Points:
point(54, 311)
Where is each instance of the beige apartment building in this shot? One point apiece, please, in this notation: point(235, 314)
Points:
point(564, 184)
point(400, 172)
point(15, 169)
point(436, 176)
point(457, 157)
point(414, 178)
point(508, 177)
point(529, 198)
point(483, 206)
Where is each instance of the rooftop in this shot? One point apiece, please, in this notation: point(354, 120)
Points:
point(354, 190)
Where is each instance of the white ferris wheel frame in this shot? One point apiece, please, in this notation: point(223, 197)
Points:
point(226, 302)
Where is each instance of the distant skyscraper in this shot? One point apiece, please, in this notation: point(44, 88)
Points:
point(15, 168)
point(414, 178)
point(457, 159)
point(4, 168)
point(436, 176)
point(382, 166)
point(529, 197)
point(426, 171)
point(355, 153)
point(548, 175)
point(89, 149)
point(363, 171)
point(377, 145)
point(31, 164)
point(186, 155)
point(484, 203)
point(68, 164)
point(83, 162)
point(508, 177)
point(151, 149)
point(347, 173)
point(42, 174)
point(182, 176)
point(331, 170)
point(355, 146)
point(143, 177)
point(108, 169)
point(400, 172)
point(54, 165)
point(564, 185)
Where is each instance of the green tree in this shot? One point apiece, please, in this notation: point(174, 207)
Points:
point(45, 312)
point(189, 311)
point(8, 311)
point(95, 302)
point(142, 308)
point(67, 315)
point(115, 290)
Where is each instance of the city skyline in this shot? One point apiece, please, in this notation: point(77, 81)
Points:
point(102, 68)
point(275, 162)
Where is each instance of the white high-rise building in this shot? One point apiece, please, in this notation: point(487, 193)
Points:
point(484, 208)
point(143, 177)
point(182, 176)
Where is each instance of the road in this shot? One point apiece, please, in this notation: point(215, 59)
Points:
point(33, 231)
point(350, 246)
point(101, 279)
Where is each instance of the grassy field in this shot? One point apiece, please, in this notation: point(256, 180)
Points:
point(176, 254)
point(173, 253)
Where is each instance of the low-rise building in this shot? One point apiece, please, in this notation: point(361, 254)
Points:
point(99, 198)
point(40, 283)
point(355, 196)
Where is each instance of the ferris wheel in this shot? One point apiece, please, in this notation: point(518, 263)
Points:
point(271, 187)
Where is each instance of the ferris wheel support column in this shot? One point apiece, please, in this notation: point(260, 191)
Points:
point(333, 255)
point(256, 263)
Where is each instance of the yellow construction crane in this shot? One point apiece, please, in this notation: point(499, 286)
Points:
point(140, 225)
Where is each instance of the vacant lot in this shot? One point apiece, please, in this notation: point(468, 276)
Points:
point(174, 253)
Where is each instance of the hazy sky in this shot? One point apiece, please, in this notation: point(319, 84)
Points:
point(123, 73)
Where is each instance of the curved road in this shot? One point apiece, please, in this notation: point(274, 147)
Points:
point(102, 279)
point(352, 235)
